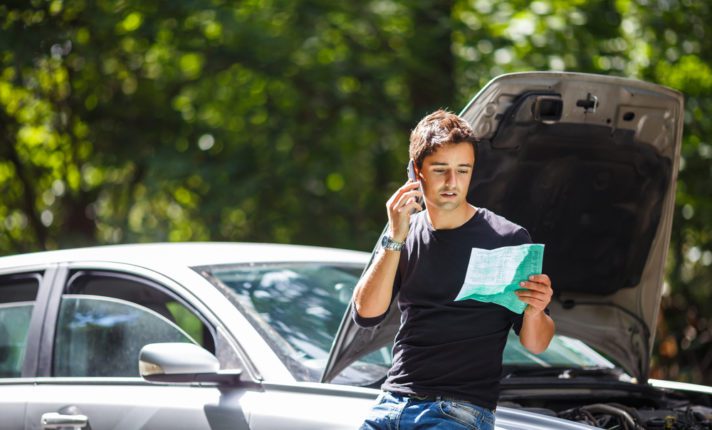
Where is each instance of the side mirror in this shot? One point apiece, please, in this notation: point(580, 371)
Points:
point(182, 363)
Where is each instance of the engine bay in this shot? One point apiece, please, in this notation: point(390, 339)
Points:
point(616, 407)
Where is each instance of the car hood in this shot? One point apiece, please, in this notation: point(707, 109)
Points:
point(588, 165)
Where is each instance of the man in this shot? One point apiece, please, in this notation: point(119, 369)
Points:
point(447, 355)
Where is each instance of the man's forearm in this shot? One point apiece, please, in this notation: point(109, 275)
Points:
point(373, 293)
point(537, 331)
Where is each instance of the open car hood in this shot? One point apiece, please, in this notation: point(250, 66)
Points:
point(588, 165)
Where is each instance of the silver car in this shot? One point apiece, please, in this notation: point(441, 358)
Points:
point(185, 336)
point(252, 336)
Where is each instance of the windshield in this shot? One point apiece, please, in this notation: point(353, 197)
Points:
point(297, 307)
point(562, 352)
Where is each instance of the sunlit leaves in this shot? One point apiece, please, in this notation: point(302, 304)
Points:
point(191, 64)
point(131, 23)
point(689, 73)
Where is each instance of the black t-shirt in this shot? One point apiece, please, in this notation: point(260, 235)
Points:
point(444, 347)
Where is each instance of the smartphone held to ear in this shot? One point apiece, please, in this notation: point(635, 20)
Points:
point(413, 177)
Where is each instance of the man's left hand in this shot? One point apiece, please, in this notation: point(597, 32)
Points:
point(536, 293)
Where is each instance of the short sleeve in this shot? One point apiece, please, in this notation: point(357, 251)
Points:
point(518, 320)
point(521, 237)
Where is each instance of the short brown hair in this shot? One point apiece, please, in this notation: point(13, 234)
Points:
point(437, 129)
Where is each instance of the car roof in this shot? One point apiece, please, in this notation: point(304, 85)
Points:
point(189, 254)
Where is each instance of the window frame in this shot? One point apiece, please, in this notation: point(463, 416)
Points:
point(43, 275)
point(98, 273)
point(148, 277)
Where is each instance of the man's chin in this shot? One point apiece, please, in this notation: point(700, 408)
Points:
point(448, 205)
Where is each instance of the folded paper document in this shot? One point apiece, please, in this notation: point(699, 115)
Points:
point(494, 275)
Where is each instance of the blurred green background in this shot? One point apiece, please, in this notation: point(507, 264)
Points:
point(287, 120)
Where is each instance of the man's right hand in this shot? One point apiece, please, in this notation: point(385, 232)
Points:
point(400, 206)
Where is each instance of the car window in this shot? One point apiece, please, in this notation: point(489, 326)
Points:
point(106, 318)
point(298, 308)
point(17, 298)
point(99, 336)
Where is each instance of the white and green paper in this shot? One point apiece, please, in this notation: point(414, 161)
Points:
point(494, 275)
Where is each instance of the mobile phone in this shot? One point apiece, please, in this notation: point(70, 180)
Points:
point(411, 176)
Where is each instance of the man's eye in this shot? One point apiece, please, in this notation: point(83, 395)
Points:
point(464, 172)
point(439, 171)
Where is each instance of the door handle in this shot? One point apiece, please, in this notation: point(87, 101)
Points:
point(55, 420)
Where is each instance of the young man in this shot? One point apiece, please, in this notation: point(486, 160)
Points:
point(447, 356)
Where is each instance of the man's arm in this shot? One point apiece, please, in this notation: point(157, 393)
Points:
point(537, 327)
point(373, 293)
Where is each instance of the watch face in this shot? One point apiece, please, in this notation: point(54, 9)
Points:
point(384, 241)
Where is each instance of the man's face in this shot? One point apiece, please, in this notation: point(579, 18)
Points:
point(445, 176)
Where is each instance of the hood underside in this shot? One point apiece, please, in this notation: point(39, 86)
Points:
point(588, 165)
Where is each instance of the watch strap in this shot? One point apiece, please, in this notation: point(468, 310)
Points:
point(390, 243)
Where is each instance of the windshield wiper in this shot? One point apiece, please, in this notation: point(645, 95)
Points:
point(560, 371)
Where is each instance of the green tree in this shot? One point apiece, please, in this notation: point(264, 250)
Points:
point(287, 121)
point(672, 48)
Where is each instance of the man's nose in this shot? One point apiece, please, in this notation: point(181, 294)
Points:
point(451, 179)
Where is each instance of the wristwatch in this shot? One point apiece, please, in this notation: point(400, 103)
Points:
point(393, 245)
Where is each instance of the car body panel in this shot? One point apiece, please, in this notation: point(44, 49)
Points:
point(680, 386)
point(512, 419)
point(635, 131)
point(155, 255)
point(122, 404)
point(132, 404)
point(14, 395)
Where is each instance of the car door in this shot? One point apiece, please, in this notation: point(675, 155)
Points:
point(18, 305)
point(98, 320)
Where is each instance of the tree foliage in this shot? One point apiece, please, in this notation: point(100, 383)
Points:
point(287, 121)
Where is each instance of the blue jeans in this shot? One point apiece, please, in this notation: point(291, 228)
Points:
point(396, 412)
